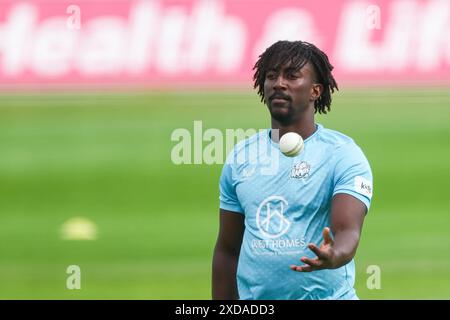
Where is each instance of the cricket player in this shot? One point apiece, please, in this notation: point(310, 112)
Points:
point(292, 233)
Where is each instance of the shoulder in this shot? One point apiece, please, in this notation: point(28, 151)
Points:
point(343, 147)
point(249, 142)
point(335, 138)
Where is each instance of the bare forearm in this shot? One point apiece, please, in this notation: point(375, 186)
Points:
point(347, 218)
point(345, 245)
point(224, 285)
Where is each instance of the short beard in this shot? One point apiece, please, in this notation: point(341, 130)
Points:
point(284, 119)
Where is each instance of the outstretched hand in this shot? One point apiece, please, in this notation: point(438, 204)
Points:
point(325, 255)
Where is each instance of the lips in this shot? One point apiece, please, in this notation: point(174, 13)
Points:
point(278, 98)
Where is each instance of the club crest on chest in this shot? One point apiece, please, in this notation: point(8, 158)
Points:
point(300, 170)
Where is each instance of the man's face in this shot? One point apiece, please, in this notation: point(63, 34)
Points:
point(289, 92)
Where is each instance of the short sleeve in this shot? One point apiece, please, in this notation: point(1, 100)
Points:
point(353, 174)
point(228, 197)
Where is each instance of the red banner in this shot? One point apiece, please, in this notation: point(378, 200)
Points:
point(174, 43)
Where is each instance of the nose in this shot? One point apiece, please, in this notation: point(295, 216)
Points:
point(279, 83)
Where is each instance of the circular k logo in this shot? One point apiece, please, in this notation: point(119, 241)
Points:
point(270, 217)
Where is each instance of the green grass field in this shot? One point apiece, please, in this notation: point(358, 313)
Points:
point(107, 157)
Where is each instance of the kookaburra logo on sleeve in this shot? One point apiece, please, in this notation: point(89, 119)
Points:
point(363, 186)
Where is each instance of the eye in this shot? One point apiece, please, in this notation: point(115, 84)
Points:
point(271, 75)
point(293, 75)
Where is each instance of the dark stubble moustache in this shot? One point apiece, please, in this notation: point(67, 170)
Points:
point(279, 95)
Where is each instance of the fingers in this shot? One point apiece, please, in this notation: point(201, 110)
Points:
point(327, 236)
point(311, 265)
point(311, 262)
point(323, 256)
point(304, 268)
point(317, 251)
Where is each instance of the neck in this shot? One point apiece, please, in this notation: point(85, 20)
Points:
point(304, 126)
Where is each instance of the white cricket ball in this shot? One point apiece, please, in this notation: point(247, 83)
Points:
point(291, 144)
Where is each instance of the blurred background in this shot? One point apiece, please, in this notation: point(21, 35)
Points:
point(91, 92)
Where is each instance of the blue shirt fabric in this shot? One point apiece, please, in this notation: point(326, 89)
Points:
point(286, 202)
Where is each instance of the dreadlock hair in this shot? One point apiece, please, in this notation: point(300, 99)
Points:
point(298, 53)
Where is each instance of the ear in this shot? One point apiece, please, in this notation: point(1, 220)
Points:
point(316, 91)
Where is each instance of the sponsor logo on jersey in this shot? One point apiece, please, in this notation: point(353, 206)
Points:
point(270, 218)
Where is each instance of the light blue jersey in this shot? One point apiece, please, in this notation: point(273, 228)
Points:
point(287, 203)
